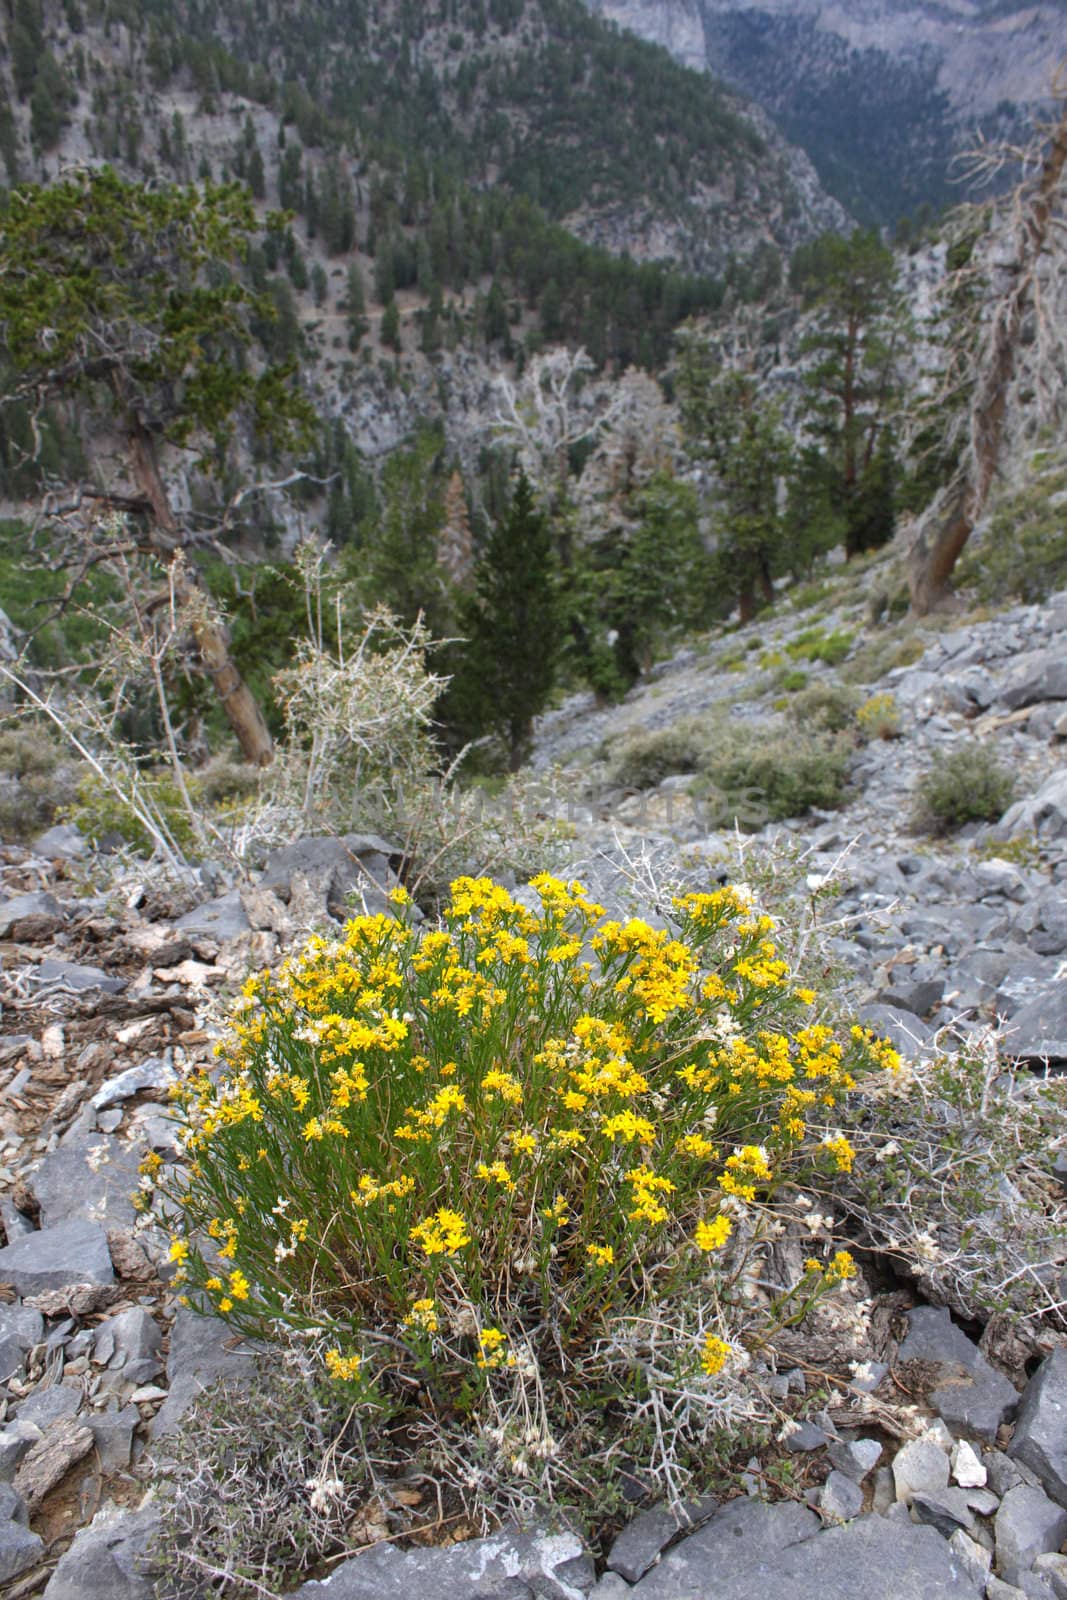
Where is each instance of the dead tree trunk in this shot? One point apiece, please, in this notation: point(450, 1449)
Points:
point(235, 697)
point(942, 536)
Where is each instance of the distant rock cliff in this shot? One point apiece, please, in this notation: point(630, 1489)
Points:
point(881, 93)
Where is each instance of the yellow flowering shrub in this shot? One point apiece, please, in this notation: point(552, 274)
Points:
point(476, 1155)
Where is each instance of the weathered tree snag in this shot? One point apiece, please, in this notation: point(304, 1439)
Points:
point(944, 532)
point(165, 540)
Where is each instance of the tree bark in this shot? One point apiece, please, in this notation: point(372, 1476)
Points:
point(237, 701)
point(941, 538)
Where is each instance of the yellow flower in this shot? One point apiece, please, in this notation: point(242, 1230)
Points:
point(399, 896)
point(444, 1233)
point(214, 1284)
point(179, 1250)
point(342, 1367)
point(713, 1235)
point(423, 1314)
point(842, 1266)
point(238, 1284)
point(841, 1150)
point(497, 1172)
point(715, 1354)
point(602, 1254)
point(628, 1127)
point(226, 1305)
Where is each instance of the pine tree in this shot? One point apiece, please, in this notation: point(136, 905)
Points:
point(508, 669)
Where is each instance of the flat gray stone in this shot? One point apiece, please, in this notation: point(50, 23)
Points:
point(128, 1346)
point(198, 1358)
point(110, 1559)
point(854, 1457)
point(49, 1403)
point(61, 843)
point(90, 1176)
point(1040, 1438)
point(52, 974)
point(744, 1534)
point(506, 1566)
point(19, 1550)
point(647, 1535)
point(973, 1557)
point(841, 1497)
point(31, 916)
point(1038, 1030)
point(919, 1467)
point(222, 919)
point(349, 867)
point(112, 1433)
point(1053, 1569)
point(16, 1440)
point(944, 1509)
point(1039, 675)
point(869, 1559)
point(154, 1073)
point(1027, 1525)
point(53, 1258)
point(1043, 813)
point(972, 1397)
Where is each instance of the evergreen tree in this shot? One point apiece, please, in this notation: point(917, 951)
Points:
point(512, 624)
point(391, 327)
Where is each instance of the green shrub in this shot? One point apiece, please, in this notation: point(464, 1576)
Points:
point(770, 775)
point(815, 645)
point(1023, 552)
point(98, 811)
point(968, 784)
point(879, 717)
point(484, 1164)
point(826, 707)
point(792, 681)
point(642, 760)
point(225, 780)
point(39, 782)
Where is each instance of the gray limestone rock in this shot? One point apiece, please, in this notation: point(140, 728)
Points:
point(19, 1550)
point(869, 1559)
point(90, 1176)
point(49, 1403)
point(112, 1433)
point(944, 1509)
point(61, 975)
point(1053, 1569)
point(506, 1566)
point(647, 1535)
point(905, 1031)
point(973, 1398)
point(1038, 1030)
point(1043, 813)
point(31, 916)
point(743, 1534)
point(804, 1437)
point(352, 868)
point(154, 1073)
point(1040, 1439)
point(221, 919)
point(128, 1345)
point(1027, 1525)
point(62, 843)
point(841, 1497)
point(16, 1439)
point(974, 1559)
point(919, 1467)
point(855, 1457)
point(199, 1356)
point(110, 1559)
point(1038, 675)
point(53, 1258)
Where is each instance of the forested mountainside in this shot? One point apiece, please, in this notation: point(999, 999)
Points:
point(882, 96)
point(409, 109)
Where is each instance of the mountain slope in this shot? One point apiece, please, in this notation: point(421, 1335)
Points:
point(881, 94)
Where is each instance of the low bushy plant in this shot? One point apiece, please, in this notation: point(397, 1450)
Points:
point(816, 645)
point(642, 760)
point(100, 812)
point(968, 784)
point(34, 781)
point(879, 717)
point(825, 707)
point(771, 774)
point(510, 1170)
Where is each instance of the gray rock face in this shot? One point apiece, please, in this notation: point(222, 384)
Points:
point(74, 1252)
point(31, 916)
point(19, 1549)
point(642, 1540)
point(1044, 813)
point(69, 975)
point(870, 1559)
point(110, 1559)
point(974, 1399)
point(1039, 1028)
point(1039, 675)
point(222, 919)
point(946, 1510)
point(1040, 1440)
point(128, 1346)
point(198, 1358)
point(841, 1497)
point(744, 1534)
point(855, 1457)
point(90, 1176)
point(349, 866)
point(1027, 1525)
point(919, 1467)
point(506, 1566)
point(154, 1073)
point(61, 843)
